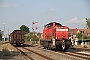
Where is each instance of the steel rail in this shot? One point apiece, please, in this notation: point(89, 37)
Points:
point(48, 58)
point(24, 53)
point(73, 54)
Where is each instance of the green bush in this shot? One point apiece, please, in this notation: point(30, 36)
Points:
point(27, 38)
point(33, 37)
point(1, 43)
point(84, 37)
point(88, 37)
point(79, 35)
point(83, 40)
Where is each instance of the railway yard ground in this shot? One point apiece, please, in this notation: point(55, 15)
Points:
point(8, 52)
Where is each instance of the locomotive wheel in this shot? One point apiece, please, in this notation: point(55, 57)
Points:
point(56, 49)
point(49, 46)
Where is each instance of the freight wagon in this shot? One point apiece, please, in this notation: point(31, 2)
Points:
point(55, 36)
point(17, 37)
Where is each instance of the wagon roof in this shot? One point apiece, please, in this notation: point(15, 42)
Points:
point(16, 30)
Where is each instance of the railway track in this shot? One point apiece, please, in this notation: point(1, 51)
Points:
point(76, 54)
point(28, 54)
point(25, 54)
point(79, 55)
point(71, 54)
point(48, 58)
point(30, 58)
point(81, 49)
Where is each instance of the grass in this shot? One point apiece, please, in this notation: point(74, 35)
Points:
point(8, 50)
point(1, 42)
point(5, 52)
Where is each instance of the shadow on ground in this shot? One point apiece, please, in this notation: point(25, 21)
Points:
point(25, 45)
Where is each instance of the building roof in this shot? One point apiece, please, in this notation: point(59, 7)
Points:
point(75, 31)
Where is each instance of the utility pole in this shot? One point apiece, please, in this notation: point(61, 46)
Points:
point(82, 36)
point(4, 31)
point(8, 32)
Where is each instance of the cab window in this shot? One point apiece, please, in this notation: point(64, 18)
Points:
point(58, 24)
point(50, 25)
point(45, 26)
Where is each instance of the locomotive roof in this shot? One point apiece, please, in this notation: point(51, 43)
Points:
point(52, 22)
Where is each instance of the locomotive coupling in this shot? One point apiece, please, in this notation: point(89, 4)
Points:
point(62, 40)
point(63, 44)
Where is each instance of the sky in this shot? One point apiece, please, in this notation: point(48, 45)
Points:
point(71, 13)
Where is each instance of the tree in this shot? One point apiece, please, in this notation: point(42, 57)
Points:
point(79, 35)
point(88, 23)
point(29, 36)
point(33, 37)
point(25, 29)
point(39, 35)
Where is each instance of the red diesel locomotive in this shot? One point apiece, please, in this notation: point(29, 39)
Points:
point(55, 36)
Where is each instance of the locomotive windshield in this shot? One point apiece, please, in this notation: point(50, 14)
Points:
point(58, 24)
point(51, 24)
point(48, 25)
